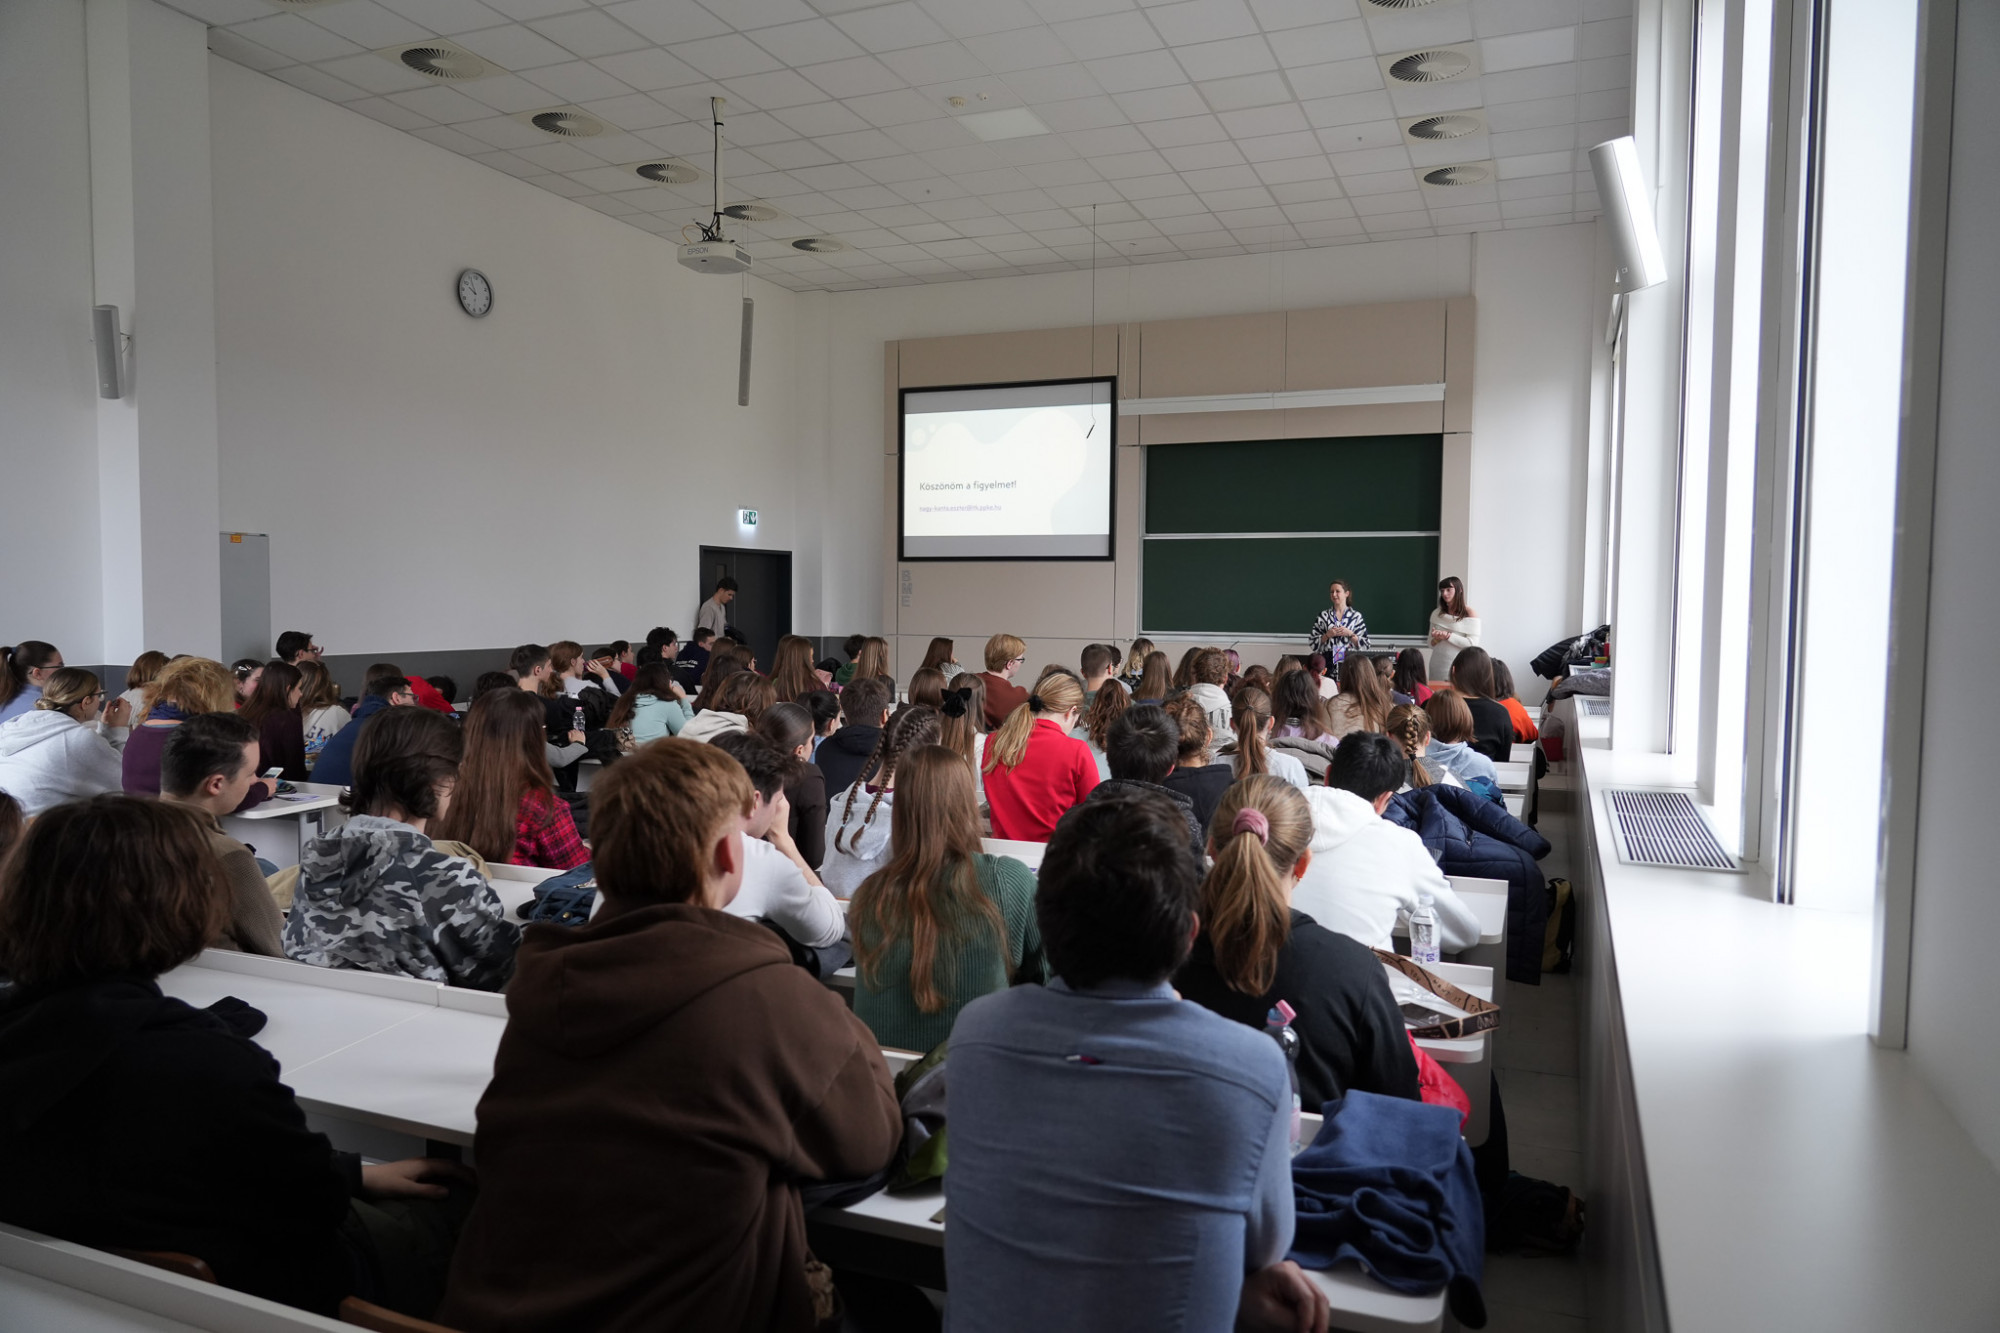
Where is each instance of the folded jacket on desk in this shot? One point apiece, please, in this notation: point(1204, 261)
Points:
point(1388, 1184)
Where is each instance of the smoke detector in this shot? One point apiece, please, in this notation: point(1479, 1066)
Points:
point(1432, 65)
point(438, 60)
point(1469, 174)
point(751, 210)
point(565, 122)
point(1458, 125)
point(666, 172)
point(819, 245)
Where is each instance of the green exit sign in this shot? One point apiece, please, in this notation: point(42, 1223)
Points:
point(747, 517)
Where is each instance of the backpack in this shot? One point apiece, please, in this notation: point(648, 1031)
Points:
point(563, 900)
point(1559, 940)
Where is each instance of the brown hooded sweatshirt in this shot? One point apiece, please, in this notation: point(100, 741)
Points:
point(666, 1079)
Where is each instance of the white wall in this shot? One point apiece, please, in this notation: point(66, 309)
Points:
point(431, 481)
point(1530, 403)
point(48, 375)
point(1954, 985)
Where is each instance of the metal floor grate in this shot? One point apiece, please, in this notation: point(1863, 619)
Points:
point(1665, 828)
point(1595, 707)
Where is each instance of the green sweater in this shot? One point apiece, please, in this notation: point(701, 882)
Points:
point(965, 975)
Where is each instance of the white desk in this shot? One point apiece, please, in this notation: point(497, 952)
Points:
point(1027, 853)
point(1513, 777)
point(279, 829)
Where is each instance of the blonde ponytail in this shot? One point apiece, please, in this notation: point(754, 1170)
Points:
point(1252, 713)
point(1260, 830)
point(1052, 697)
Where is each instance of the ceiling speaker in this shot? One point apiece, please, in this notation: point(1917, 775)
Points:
point(1628, 208)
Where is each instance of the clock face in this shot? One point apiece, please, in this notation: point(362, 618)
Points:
point(475, 294)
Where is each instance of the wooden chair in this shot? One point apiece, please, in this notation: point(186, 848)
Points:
point(364, 1314)
point(184, 1264)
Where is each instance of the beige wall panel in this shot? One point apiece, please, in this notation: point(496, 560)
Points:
point(975, 598)
point(892, 603)
point(1206, 427)
point(1125, 578)
point(907, 653)
point(1004, 358)
point(1455, 507)
point(1362, 346)
point(1179, 358)
point(1312, 423)
point(1458, 322)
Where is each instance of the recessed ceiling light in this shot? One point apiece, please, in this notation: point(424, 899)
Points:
point(438, 60)
point(1469, 174)
point(667, 172)
point(819, 245)
point(1444, 127)
point(1431, 66)
point(565, 122)
point(751, 211)
point(1014, 123)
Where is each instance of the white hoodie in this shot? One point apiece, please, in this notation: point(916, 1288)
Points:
point(862, 843)
point(1215, 703)
point(1366, 874)
point(47, 757)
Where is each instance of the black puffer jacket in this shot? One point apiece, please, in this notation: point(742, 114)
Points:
point(1472, 836)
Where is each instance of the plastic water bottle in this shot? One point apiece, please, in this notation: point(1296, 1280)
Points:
point(1424, 932)
point(576, 720)
point(1279, 1024)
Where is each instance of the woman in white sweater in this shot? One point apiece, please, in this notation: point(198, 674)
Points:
point(61, 750)
point(1454, 626)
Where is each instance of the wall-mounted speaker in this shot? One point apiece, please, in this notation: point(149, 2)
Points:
point(1628, 211)
point(110, 351)
point(743, 356)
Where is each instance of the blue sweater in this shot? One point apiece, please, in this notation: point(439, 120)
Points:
point(336, 760)
point(1388, 1184)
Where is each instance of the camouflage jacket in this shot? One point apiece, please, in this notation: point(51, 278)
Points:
point(377, 896)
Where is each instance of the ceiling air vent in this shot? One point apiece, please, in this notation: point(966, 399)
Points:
point(752, 211)
point(438, 60)
point(1400, 4)
point(1444, 127)
point(1433, 66)
point(819, 245)
point(1466, 175)
point(1664, 828)
point(667, 172)
point(565, 122)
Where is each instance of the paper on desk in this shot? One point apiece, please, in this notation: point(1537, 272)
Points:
point(1407, 991)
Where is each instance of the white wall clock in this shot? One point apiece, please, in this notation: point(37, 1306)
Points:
point(475, 293)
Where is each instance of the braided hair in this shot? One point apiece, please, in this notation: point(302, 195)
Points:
point(1410, 726)
point(910, 726)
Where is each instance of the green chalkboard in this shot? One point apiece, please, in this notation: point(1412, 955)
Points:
point(1276, 585)
point(1373, 483)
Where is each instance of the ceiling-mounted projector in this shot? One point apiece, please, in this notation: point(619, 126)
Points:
point(720, 256)
point(715, 252)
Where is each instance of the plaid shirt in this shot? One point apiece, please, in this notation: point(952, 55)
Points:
point(545, 835)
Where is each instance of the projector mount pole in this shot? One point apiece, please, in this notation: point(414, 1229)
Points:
point(715, 225)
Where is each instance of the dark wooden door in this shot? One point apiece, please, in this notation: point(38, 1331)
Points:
point(762, 611)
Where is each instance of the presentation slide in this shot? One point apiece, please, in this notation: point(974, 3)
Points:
point(1015, 473)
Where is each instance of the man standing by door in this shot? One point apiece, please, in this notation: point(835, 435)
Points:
point(712, 616)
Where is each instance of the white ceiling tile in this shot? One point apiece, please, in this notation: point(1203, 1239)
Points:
point(1108, 140)
point(1524, 143)
point(1368, 160)
point(866, 196)
point(1194, 157)
point(1261, 121)
point(994, 181)
point(665, 21)
point(1299, 192)
point(957, 161)
point(1277, 147)
point(751, 131)
point(792, 153)
point(1605, 105)
point(579, 81)
point(1246, 91)
point(558, 157)
point(981, 228)
point(1189, 21)
point(604, 180)
point(320, 84)
point(1041, 220)
point(1330, 228)
point(925, 136)
point(506, 162)
point(1604, 73)
point(449, 16)
point(1531, 115)
point(221, 13)
point(290, 35)
point(1471, 148)
point(973, 18)
point(561, 185)
point(1456, 196)
point(1493, 17)
point(1136, 229)
point(1238, 176)
point(1415, 29)
point(1416, 221)
point(1055, 83)
point(747, 14)
point(875, 153)
point(1536, 208)
point(1187, 224)
point(949, 206)
point(609, 205)
point(1170, 103)
point(929, 191)
point(1254, 196)
point(893, 108)
point(891, 27)
point(1085, 115)
point(925, 231)
point(1109, 35)
point(1534, 164)
point(772, 90)
point(367, 24)
point(446, 106)
point(1428, 99)
point(513, 47)
point(1338, 79)
point(371, 73)
point(1080, 198)
point(1457, 213)
point(1014, 203)
point(1134, 189)
point(856, 76)
point(1524, 50)
point(1186, 130)
point(615, 147)
point(1374, 205)
point(1610, 37)
point(1238, 219)
point(1288, 169)
point(1526, 85)
point(799, 44)
point(649, 70)
point(589, 33)
point(1323, 43)
point(727, 56)
point(1379, 182)
point(633, 111)
point(833, 176)
point(951, 246)
point(1120, 166)
point(683, 140)
point(1274, 15)
point(503, 132)
point(1226, 59)
point(904, 215)
point(1592, 132)
point(761, 184)
point(1074, 171)
point(1169, 206)
point(1319, 210)
point(1331, 112)
point(233, 46)
point(1020, 49)
point(939, 62)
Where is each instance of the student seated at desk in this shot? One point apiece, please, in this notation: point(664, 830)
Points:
point(941, 923)
point(1035, 770)
point(666, 1081)
point(790, 727)
point(1492, 724)
point(1503, 694)
point(1142, 747)
point(1119, 1157)
point(778, 885)
point(1256, 949)
point(692, 663)
point(187, 686)
point(273, 708)
point(1451, 742)
point(335, 764)
point(737, 703)
point(1410, 727)
point(11, 823)
point(858, 819)
point(662, 645)
point(1252, 755)
point(145, 669)
point(792, 668)
point(824, 705)
point(505, 805)
point(1296, 704)
point(1099, 660)
point(1362, 703)
point(864, 710)
point(134, 1121)
point(24, 669)
point(1207, 674)
point(927, 687)
point(1094, 727)
point(62, 749)
point(320, 710)
point(1004, 655)
point(1197, 774)
point(1155, 681)
point(376, 894)
point(209, 763)
point(655, 706)
point(1366, 873)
